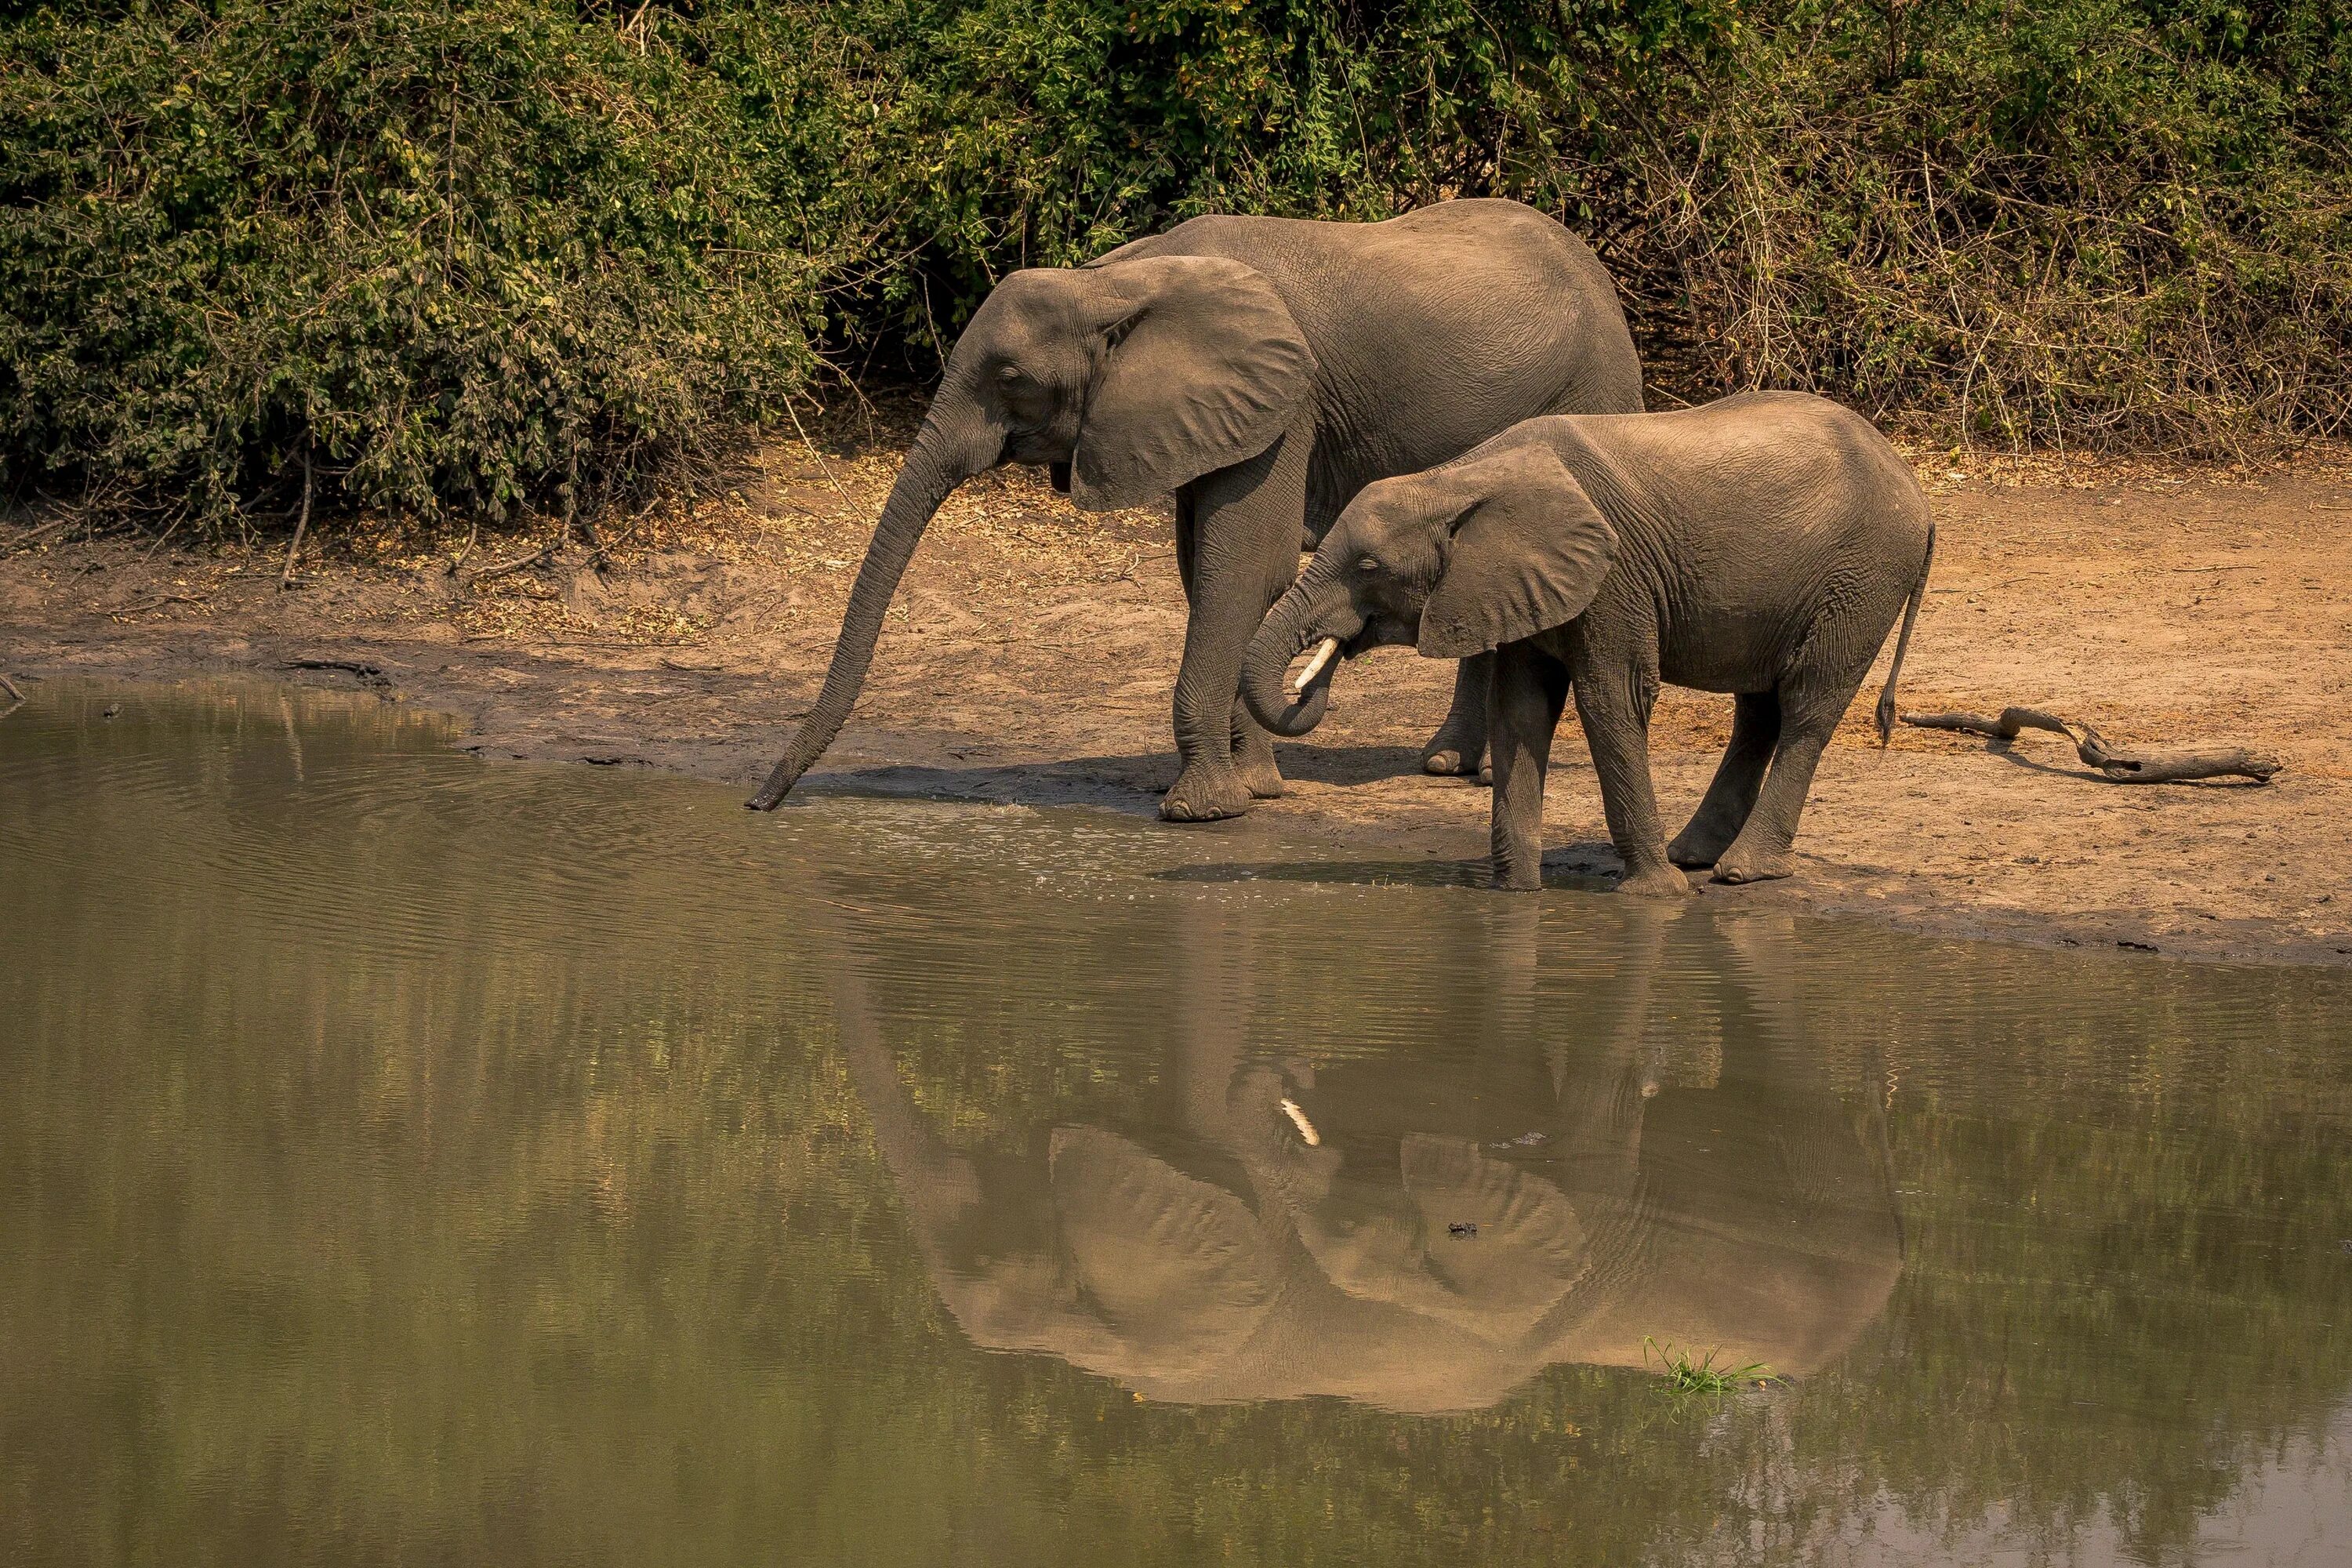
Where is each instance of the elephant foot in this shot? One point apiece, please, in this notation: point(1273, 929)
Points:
point(1520, 876)
point(1655, 882)
point(1253, 766)
point(1445, 755)
point(1696, 851)
point(1456, 748)
point(1202, 793)
point(1741, 863)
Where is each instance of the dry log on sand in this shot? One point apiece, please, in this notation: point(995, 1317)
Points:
point(2117, 767)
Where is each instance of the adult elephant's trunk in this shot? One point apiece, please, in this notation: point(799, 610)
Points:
point(946, 453)
point(1289, 630)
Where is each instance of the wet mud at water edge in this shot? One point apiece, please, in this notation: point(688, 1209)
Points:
point(408, 1158)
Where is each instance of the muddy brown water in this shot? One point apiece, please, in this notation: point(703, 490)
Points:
point(408, 1159)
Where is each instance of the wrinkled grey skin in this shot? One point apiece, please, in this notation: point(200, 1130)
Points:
point(1762, 546)
point(1264, 370)
point(1213, 1255)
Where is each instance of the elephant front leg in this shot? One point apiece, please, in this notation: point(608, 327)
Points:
point(1252, 755)
point(1459, 745)
point(1209, 785)
point(1239, 530)
point(1529, 690)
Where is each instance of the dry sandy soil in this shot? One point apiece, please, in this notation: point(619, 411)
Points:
point(1032, 649)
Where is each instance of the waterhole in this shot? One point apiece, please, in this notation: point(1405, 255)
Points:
point(406, 1158)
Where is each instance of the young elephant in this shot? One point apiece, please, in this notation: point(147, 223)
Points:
point(1762, 546)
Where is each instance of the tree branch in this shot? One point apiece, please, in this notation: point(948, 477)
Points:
point(2116, 767)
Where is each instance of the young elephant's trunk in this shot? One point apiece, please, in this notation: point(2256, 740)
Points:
point(1289, 630)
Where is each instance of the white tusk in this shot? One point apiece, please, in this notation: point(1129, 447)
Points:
point(1299, 1119)
point(1323, 652)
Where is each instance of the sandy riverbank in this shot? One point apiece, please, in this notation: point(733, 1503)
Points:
point(1032, 650)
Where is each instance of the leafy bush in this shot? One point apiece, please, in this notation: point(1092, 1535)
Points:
point(465, 256)
point(456, 255)
point(2106, 220)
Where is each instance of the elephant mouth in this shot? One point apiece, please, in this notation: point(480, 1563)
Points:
point(1312, 667)
point(1306, 682)
point(1288, 675)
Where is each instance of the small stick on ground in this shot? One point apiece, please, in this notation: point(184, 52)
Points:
point(473, 533)
point(821, 464)
point(521, 563)
point(302, 524)
point(155, 603)
point(596, 557)
point(10, 687)
point(2116, 767)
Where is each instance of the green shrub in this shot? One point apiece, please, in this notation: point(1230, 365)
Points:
point(2079, 220)
point(459, 254)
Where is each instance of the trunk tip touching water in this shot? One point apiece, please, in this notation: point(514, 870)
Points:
point(771, 793)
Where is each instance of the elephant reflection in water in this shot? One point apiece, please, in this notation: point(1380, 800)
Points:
point(1417, 1232)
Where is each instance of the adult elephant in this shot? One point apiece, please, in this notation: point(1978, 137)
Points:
point(1264, 370)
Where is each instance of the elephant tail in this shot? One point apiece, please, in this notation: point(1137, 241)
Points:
point(1886, 714)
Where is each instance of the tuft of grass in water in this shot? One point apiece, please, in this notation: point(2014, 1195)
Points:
point(1687, 1374)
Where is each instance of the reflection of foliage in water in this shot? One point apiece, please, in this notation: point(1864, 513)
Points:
point(428, 1153)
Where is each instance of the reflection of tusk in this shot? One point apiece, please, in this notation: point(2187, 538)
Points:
point(1323, 652)
point(1299, 1119)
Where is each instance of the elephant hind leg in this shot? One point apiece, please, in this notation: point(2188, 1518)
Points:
point(1755, 731)
point(1809, 711)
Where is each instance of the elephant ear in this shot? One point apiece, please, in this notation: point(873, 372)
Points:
point(1530, 551)
point(1529, 1246)
point(1205, 367)
point(1178, 1267)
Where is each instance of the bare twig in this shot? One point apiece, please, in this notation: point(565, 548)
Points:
point(473, 533)
point(596, 556)
point(822, 467)
point(2117, 767)
point(157, 602)
point(522, 562)
point(301, 525)
point(10, 686)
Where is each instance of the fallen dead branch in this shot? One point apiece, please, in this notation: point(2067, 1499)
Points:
point(522, 562)
point(24, 541)
point(370, 675)
point(10, 687)
point(2117, 767)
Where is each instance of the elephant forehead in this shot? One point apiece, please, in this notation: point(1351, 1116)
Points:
point(1032, 308)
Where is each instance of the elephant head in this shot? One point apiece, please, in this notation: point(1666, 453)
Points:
point(1130, 378)
point(1494, 547)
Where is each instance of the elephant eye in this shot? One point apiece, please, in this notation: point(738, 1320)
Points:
point(1368, 564)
